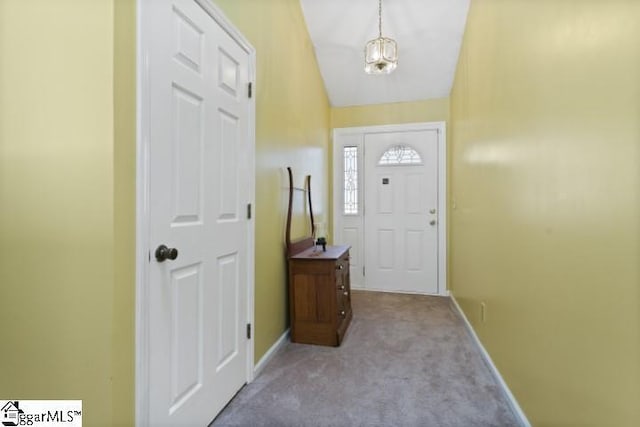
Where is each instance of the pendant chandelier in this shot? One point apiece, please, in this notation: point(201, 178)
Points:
point(381, 54)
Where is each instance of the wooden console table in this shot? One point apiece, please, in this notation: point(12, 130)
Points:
point(320, 295)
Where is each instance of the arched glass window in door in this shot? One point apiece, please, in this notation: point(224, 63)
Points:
point(400, 155)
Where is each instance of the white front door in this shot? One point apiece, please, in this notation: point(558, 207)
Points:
point(401, 211)
point(199, 181)
point(388, 222)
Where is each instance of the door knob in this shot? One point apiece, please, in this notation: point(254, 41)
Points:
point(432, 222)
point(164, 253)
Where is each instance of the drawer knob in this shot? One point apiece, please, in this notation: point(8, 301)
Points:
point(339, 267)
point(342, 313)
point(342, 287)
point(346, 294)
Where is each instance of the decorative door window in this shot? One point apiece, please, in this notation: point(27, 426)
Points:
point(400, 155)
point(350, 155)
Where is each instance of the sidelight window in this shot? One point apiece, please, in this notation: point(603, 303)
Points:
point(350, 155)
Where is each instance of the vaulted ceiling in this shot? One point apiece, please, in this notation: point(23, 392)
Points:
point(428, 32)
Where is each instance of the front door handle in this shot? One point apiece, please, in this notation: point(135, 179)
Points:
point(164, 253)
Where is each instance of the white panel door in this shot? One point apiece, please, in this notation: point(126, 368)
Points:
point(198, 191)
point(401, 202)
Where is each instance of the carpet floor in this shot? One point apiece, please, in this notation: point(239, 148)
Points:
point(406, 360)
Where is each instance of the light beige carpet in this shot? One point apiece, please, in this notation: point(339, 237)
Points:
point(407, 360)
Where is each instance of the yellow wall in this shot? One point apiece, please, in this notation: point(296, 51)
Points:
point(124, 217)
point(546, 185)
point(429, 110)
point(292, 129)
point(67, 331)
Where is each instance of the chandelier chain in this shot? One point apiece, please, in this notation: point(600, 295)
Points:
point(380, 18)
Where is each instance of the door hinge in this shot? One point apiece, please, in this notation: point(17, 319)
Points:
point(248, 331)
point(250, 90)
point(249, 211)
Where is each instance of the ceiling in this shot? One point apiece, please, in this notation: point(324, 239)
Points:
point(428, 32)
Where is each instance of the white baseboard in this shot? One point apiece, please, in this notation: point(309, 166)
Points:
point(284, 338)
point(494, 370)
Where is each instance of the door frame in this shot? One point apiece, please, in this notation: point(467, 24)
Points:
point(355, 136)
point(143, 249)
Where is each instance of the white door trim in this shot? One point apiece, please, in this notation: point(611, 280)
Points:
point(143, 249)
point(359, 133)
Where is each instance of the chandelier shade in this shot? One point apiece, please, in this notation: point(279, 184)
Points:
point(381, 56)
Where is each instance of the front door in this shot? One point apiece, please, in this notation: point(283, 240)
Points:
point(400, 211)
point(199, 178)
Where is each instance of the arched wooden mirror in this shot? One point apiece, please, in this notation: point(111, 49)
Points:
point(307, 240)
